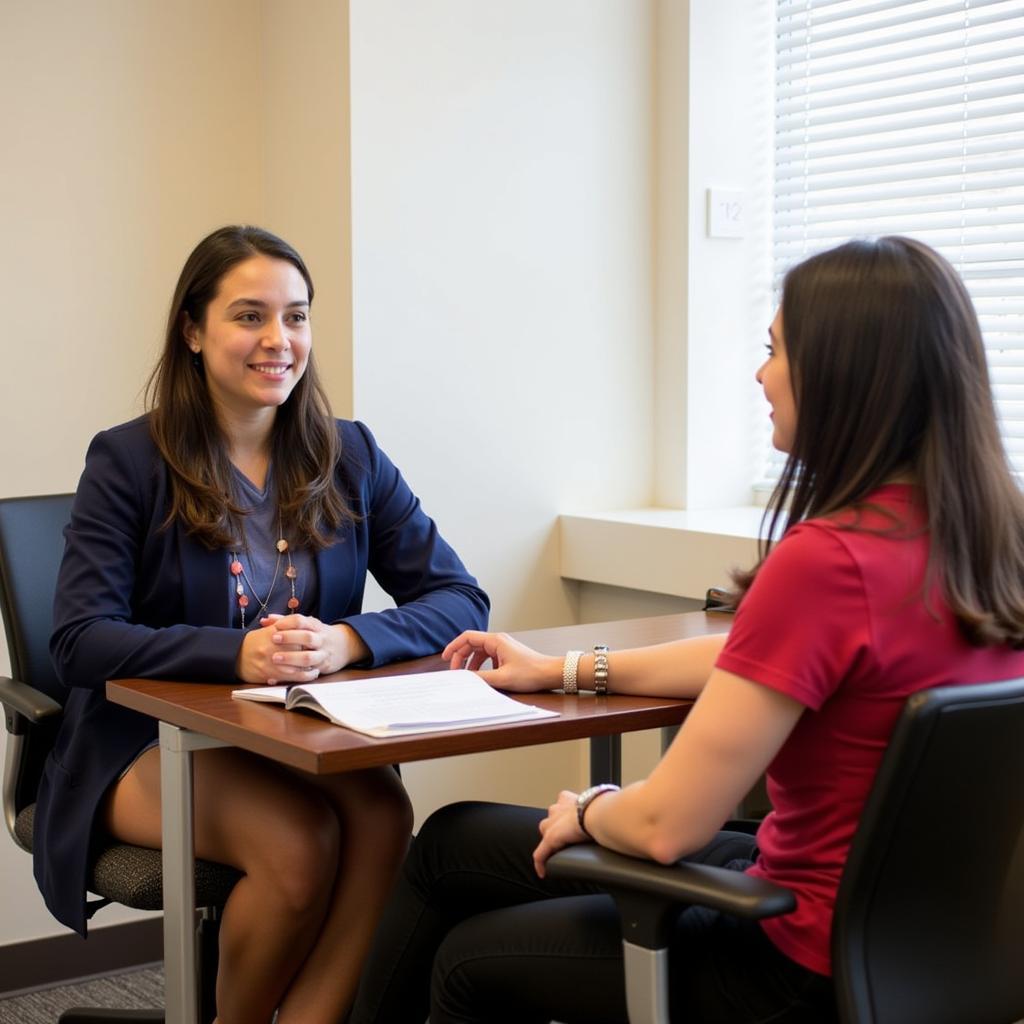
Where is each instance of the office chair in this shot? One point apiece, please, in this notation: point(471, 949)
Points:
point(31, 545)
point(929, 917)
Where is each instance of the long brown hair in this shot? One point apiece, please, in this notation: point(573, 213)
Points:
point(304, 442)
point(890, 379)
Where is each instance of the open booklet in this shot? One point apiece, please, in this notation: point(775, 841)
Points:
point(402, 705)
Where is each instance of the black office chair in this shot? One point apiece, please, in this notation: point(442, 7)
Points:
point(929, 917)
point(31, 544)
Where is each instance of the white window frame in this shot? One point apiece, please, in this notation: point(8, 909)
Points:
point(710, 312)
point(706, 447)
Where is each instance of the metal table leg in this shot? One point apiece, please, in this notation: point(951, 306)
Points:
point(668, 734)
point(605, 759)
point(181, 976)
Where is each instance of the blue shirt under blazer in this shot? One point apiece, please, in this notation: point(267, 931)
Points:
point(135, 599)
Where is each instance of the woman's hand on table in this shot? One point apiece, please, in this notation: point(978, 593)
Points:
point(517, 668)
point(559, 829)
point(297, 649)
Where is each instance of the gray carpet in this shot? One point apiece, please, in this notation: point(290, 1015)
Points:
point(132, 990)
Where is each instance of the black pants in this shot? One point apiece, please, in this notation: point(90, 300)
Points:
point(471, 934)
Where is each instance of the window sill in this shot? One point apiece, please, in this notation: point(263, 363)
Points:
point(666, 551)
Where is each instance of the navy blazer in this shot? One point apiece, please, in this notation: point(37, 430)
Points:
point(138, 600)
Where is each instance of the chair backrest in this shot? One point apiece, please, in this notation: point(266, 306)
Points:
point(929, 921)
point(31, 547)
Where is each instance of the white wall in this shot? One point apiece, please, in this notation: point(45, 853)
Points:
point(502, 257)
point(729, 95)
point(712, 304)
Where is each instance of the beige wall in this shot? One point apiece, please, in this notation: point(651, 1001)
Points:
point(130, 129)
point(304, 140)
point(126, 135)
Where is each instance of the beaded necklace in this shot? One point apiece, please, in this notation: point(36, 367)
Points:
point(241, 579)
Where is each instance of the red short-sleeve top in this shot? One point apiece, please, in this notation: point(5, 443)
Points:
point(838, 619)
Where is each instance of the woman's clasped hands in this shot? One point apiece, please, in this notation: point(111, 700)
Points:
point(297, 649)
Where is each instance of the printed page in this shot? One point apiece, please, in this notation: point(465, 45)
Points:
point(422, 702)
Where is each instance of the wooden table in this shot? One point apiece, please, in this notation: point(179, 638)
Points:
point(196, 716)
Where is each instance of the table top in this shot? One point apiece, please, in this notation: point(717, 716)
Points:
point(313, 744)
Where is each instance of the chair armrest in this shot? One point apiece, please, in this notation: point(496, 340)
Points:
point(671, 885)
point(20, 699)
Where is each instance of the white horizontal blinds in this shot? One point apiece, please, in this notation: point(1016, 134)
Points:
point(907, 117)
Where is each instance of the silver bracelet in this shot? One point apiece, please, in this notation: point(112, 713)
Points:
point(570, 668)
point(601, 669)
point(587, 797)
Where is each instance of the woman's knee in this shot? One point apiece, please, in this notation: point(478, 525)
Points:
point(472, 822)
point(473, 838)
point(445, 835)
point(299, 857)
point(284, 835)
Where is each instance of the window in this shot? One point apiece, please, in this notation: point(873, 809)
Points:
point(907, 117)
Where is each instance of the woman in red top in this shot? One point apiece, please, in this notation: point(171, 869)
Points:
point(900, 566)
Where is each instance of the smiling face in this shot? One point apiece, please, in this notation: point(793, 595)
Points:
point(773, 376)
point(254, 339)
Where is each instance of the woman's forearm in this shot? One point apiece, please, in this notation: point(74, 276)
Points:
point(620, 822)
point(728, 740)
point(679, 668)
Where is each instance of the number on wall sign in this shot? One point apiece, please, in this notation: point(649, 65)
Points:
point(725, 213)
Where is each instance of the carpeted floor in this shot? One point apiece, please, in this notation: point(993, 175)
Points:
point(139, 989)
point(132, 990)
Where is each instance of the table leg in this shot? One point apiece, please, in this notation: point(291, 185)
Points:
point(179, 884)
point(668, 734)
point(605, 759)
point(606, 755)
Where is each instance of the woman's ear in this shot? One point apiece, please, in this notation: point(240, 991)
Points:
point(191, 332)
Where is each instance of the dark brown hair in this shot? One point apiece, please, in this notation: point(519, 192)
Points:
point(304, 443)
point(890, 379)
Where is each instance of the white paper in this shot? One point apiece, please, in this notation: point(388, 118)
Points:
point(402, 705)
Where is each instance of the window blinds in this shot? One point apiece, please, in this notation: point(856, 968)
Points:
point(907, 117)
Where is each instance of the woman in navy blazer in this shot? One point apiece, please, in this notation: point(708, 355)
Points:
point(240, 484)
